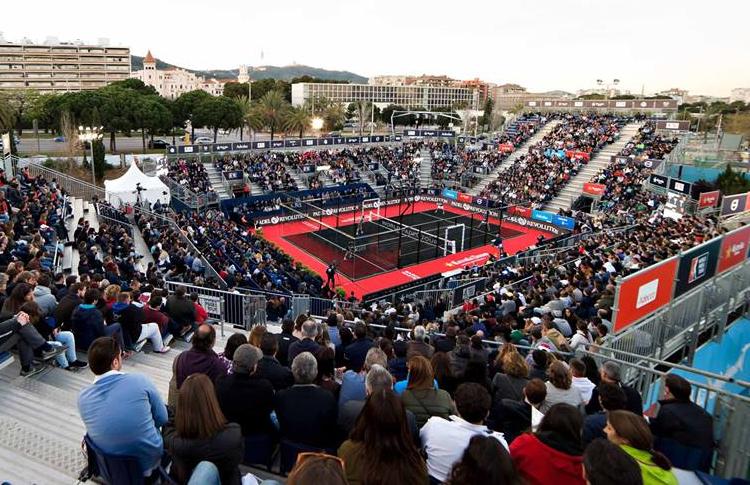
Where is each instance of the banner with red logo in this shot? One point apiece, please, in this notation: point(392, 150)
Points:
point(643, 293)
point(708, 199)
point(464, 197)
point(506, 147)
point(595, 190)
point(573, 154)
point(520, 211)
point(734, 248)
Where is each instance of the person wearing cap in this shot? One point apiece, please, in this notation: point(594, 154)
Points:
point(246, 397)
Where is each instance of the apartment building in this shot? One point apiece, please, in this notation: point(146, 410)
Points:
point(173, 82)
point(60, 66)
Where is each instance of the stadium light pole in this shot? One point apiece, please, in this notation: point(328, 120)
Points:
point(90, 134)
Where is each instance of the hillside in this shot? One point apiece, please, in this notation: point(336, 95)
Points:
point(286, 73)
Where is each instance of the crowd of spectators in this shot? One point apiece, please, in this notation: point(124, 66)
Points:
point(266, 169)
point(190, 174)
point(536, 177)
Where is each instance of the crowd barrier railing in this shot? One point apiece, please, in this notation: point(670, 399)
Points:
point(73, 186)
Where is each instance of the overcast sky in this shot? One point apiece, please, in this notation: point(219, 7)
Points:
point(540, 44)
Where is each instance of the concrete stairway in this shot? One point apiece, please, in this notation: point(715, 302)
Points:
point(521, 150)
point(574, 187)
point(214, 176)
point(425, 168)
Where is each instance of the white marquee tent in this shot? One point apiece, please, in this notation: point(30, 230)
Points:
point(123, 190)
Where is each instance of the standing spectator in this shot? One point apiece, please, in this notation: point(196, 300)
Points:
point(560, 387)
point(485, 460)
point(379, 448)
point(307, 413)
point(682, 428)
point(554, 453)
point(122, 412)
point(270, 368)
point(307, 344)
point(610, 372)
point(445, 439)
point(245, 397)
point(605, 463)
point(200, 432)
point(632, 434)
point(421, 397)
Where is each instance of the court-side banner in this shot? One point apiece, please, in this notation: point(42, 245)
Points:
point(467, 291)
point(734, 248)
point(658, 105)
point(295, 143)
point(673, 125)
point(554, 219)
point(733, 204)
point(515, 216)
point(594, 190)
point(697, 265)
point(644, 292)
point(708, 199)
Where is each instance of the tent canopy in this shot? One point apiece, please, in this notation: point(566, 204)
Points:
point(123, 190)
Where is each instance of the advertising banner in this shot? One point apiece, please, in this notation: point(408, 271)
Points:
point(708, 199)
point(293, 143)
point(465, 197)
point(594, 190)
point(652, 163)
point(467, 291)
point(697, 265)
point(675, 206)
point(241, 146)
point(658, 180)
point(260, 145)
point(677, 185)
point(542, 216)
point(733, 204)
point(308, 168)
point(277, 143)
point(352, 140)
point(309, 142)
point(673, 125)
point(520, 211)
point(234, 175)
point(450, 194)
point(505, 147)
point(734, 248)
point(567, 222)
point(618, 159)
point(221, 147)
point(643, 293)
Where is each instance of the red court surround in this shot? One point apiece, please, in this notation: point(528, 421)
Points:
point(479, 255)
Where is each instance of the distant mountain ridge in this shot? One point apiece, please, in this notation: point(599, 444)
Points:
point(287, 73)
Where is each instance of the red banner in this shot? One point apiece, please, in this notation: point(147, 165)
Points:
point(573, 154)
point(506, 147)
point(708, 199)
point(734, 248)
point(520, 211)
point(464, 197)
point(644, 292)
point(594, 189)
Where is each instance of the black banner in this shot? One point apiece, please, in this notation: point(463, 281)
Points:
point(652, 163)
point(677, 185)
point(309, 142)
point(618, 159)
point(326, 141)
point(352, 140)
point(658, 180)
point(374, 166)
point(293, 143)
point(234, 175)
point(308, 168)
point(222, 147)
point(733, 204)
point(697, 266)
point(241, 146)
point(467, 291)
point(261, 145)
point(277, 143)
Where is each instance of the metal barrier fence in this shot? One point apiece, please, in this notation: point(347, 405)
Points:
point(191, 199)
point(730, 410)
point(677, 327)
point(71, 185)
point(57, 258)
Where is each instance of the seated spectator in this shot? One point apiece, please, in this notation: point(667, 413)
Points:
point(419, 346)
point(444, 440)
point(199, 359)
point(307, 343)
point(285, 339)
point(441, 365)
point(67, 360)
point(122, 412)
point(611, 398)
point(421, 397)
point(682, 422)
point(356, 352)
point(306, 413)
point(485, 460)
point(256, 334)
point(88, 323)
point(515, 417)
point(182, 311)
point(380, 448)
point(68, 303)
point(245, 397)
point(326, 377)
point(538, 369)
point(152, 312)
point(201, 315)
point(397, 365)
point(553, 454)
point(509, 383)
point(580, 381)
point(610, 372)
point(132, 320)
point(270, 368)
point(233, 342)
point(605, 463)
point(19, 332)
point(43, 295)
point(200, 432)
point(560, 387)
point(353, 383)
point(631, 432)
point(317, 469)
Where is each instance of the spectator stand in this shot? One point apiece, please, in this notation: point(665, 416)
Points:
point(115, 216)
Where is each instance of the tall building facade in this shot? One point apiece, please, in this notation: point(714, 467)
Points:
point(171, 83)
point(429, 97)
point(59, 66)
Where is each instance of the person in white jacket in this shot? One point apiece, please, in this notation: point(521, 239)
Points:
point(581, 339)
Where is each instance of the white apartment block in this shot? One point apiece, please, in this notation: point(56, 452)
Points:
point(171, 83)
point(429, 97)
point(61, 67)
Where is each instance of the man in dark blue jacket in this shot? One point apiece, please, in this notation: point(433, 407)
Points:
point(308, 343)
point(356, 352)
point(88, 322)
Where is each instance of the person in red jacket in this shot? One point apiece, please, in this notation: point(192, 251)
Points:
point(201, 315)
point(554, 454)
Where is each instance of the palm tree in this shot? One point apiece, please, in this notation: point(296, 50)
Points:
point(272, 110)
point(297, 119)
point(334, 116)
point(246, 107)
point(363, 109)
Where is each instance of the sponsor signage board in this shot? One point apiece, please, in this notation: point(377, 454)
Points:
point(658, 180)
point(697, 265)
point(644, 292)
point(708, 199)
point(733, 204)
point(594, 190)
point(734, 248)
point(677, 185)
point(673, 125)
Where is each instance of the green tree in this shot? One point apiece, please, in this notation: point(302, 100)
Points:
point(118, 112)
point(297, 120)
point(486, 119)
point(149, 114)
point(363, 111)
point(334, 116)
point(135, 85)
point(218, 113)
point(185, 106)
point(233, 89)
point(731, 182)
point(272, 109)
point(100, 165)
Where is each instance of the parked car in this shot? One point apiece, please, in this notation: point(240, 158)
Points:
point(60, 139)
point(203, 140)
point(158, 144)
